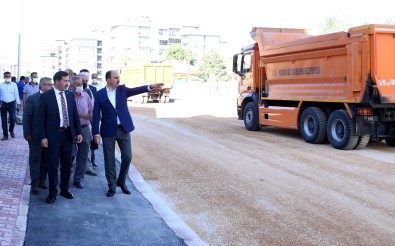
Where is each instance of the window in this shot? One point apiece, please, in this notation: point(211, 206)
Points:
point(162, 32)
point(163, 42)
point(246, 63)
point(173, 32)
point(174, 41)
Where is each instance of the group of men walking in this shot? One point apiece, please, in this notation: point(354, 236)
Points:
point(65, 120)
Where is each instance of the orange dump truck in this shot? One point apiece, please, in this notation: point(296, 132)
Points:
point(339, 86)
point(138, 74)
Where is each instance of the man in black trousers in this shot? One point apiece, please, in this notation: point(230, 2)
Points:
point(59, 126)
point(37, 156)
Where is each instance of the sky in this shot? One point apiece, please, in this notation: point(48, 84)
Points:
point(42, 21)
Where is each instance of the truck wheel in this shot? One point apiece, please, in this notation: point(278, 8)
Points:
point(341, 130)
point(251, 120)
point(313, 125)
point(362, 142)
point(390, 141)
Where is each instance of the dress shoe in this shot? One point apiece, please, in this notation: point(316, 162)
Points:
point(124, 188)
point(43, 186)
point(12, 134)
point(67, 194)
point(91, 172)
point(34, 189)
point(51, 199)
point(4, 138)
point(79, 185)
point(110, 192)
point(94, 164)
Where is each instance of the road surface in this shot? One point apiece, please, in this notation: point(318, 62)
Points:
point(236, 187)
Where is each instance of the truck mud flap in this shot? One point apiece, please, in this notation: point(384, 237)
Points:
point(365, 125)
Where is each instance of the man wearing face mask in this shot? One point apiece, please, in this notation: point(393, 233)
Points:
point(87, 88)
point(80, 150)
point(9, 99)
point(91, 91)
point(95, 83)
point(31, 88)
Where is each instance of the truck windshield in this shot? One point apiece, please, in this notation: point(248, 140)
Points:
point(246, 64)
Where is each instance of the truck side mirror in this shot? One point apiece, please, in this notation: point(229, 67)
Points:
point(235, 67)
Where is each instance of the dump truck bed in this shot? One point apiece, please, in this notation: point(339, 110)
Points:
point(138, 75)
point(329, 68)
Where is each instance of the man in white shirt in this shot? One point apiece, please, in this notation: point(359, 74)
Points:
point(9, 99)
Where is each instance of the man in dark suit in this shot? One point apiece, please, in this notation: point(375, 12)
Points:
point(37, 157)
point(59, 126)
point(116, 125)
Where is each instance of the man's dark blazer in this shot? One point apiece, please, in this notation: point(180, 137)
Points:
point(93, 89)
point(103, 109)
point(50, 117)
point(30, 118)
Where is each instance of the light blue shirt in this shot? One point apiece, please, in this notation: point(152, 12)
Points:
point(9, 92)
point(30, 89)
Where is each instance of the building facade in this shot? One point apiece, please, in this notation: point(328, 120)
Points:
point(136, 39)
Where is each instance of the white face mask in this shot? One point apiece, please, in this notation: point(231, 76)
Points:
point(94, 81)
point(35, 80)
point(7, 80)
point(79, 89)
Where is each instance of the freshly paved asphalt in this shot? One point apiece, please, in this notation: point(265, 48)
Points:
point(91, 218)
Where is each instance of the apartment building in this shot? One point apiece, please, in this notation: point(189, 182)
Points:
point(138, 39)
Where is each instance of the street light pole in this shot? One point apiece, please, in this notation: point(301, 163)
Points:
point(20, 41)
point(19, 56)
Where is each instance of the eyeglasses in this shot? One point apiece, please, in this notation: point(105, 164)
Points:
point(48, 84)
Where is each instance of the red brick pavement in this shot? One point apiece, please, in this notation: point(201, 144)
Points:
point(14, 195)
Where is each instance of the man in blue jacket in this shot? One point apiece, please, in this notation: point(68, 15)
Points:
point(111, 109)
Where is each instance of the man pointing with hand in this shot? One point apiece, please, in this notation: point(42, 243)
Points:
point(111, 109)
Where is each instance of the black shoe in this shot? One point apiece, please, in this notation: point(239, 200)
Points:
point(12, 134)
point(124, 188)
point(94, 164)
point(43, 186)
point(34, 189)
point(91, 172)
point(110, 192)
point(51, 199)
point(79, 185)
point(67, 194)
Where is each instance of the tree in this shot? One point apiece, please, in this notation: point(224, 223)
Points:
point(389, 22)
point(178, 53)
point(334, 24)
point(213, 64)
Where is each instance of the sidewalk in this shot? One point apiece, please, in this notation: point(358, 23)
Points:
point(91, 218)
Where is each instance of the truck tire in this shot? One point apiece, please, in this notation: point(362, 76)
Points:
point(390, 141)
point(362, 142)
point(341, 130)
point(251, 120)
point(313, 125)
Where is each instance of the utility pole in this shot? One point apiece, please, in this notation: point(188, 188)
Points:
point(20, 41)
point(19, 56)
